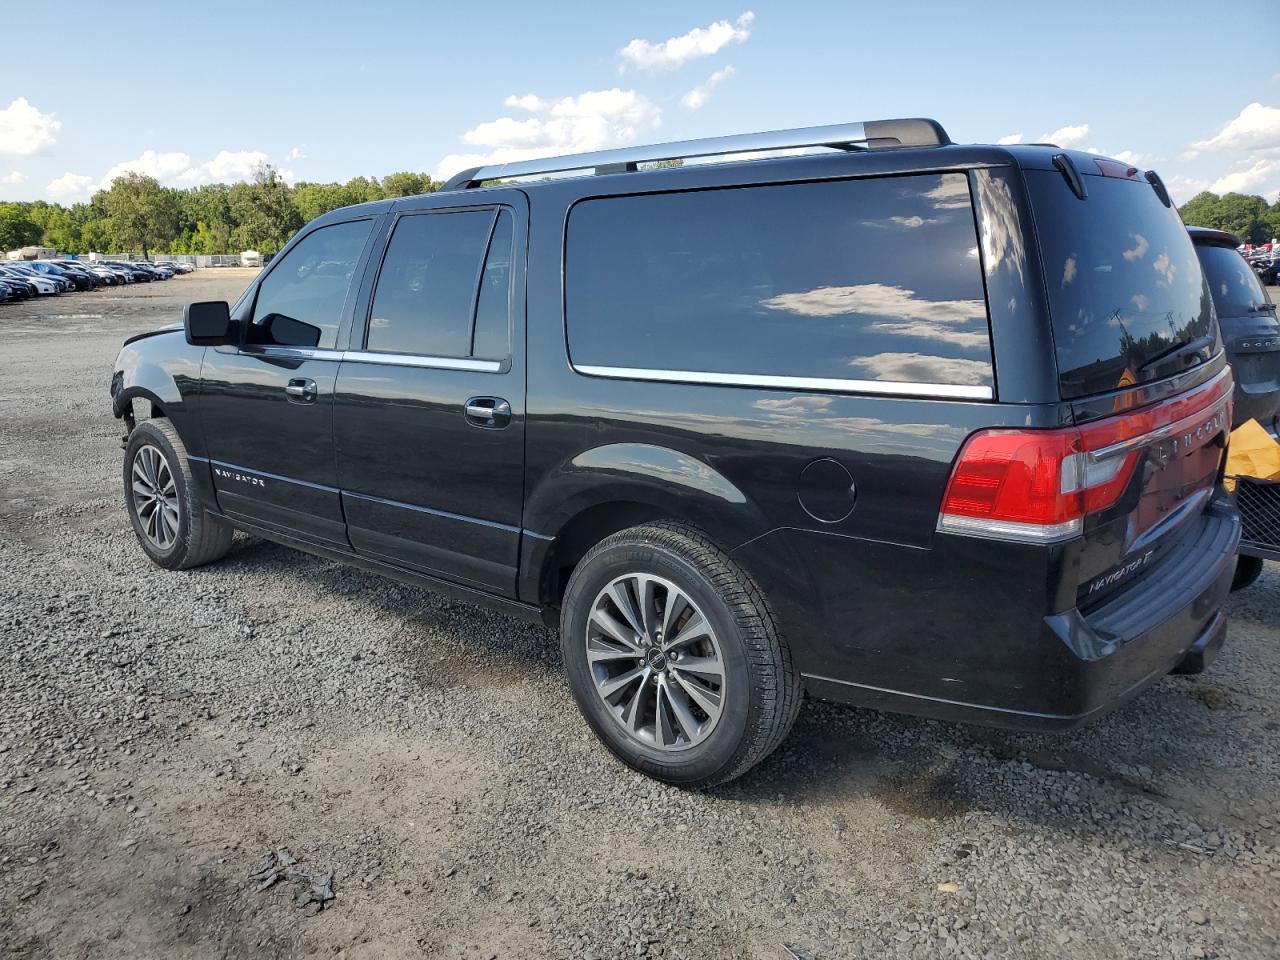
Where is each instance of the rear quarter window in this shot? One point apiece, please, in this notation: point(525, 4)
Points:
point(842, 280)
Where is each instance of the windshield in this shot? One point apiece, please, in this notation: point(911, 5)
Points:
point(1232, 282)
point(1125, 287)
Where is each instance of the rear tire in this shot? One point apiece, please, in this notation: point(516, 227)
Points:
point(710, 698)
point(1248, 569)
point(172, 525)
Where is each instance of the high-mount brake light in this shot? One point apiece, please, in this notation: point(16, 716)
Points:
point(1037, 486)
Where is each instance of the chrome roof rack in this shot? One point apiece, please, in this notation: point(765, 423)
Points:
point(870, 135)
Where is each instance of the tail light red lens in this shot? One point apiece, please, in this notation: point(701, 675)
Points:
point(1037, 486)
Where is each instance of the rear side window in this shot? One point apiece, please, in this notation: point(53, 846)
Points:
point(300, 301)
point(1125, 287)
point(1235, 288)
point(427, 287)
point(847, 280)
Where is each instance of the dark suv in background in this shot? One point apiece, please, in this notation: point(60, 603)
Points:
point(1251, 334)
point(908, 424)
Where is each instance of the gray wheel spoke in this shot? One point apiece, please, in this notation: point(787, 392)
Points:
point(708, 667)
point(631, 715)
point(662, 729)
point(622, 599)
point(708, 700)
point(620, 682)
point(680, 707)
point(695, 628)
point(598, 650)
point(613, 628)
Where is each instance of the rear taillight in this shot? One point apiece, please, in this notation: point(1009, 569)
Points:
point(1037, 486)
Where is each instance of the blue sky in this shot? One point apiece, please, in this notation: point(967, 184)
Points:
point(327, 90)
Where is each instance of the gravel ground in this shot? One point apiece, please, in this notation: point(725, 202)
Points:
point(161, 734)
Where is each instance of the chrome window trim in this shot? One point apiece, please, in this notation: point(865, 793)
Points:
point(389, 359)
point(945, 391)
point(434, 363)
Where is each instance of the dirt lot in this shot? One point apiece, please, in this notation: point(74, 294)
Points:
point(161, 733)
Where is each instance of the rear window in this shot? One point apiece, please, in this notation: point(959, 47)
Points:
point(1125, 286)
point(845, 280)
point(1234, 286)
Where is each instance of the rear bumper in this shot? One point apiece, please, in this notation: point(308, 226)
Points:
point(1076, 666)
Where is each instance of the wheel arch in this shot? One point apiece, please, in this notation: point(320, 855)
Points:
point(609, 488)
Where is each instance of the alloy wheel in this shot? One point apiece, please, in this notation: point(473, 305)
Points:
point(655, 661)
point(155, 496)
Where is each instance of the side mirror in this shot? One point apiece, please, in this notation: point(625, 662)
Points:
point(208, 324)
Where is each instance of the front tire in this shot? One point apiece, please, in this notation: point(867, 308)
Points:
point(674, 658)
point(172, 525)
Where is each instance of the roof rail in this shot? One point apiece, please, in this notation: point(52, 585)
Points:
point(871, 135)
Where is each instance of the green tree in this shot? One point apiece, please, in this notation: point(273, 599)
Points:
point(263, 211)
point(1244, 215)
point(407, 184)
point(17, 229)
point(142, 214)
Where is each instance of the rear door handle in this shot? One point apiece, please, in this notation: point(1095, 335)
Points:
point(491, 412)
point(301, 390)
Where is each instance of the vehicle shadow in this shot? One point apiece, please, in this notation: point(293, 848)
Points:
point(1181, 731)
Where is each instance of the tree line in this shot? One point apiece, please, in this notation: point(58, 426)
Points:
point(138, 215)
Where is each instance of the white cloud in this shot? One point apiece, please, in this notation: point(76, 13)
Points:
point(961, 322)
point(924, 368)
point(1256, 128)
point(24, 129)
point(13, 178)
point(1010, 139)
point(1129, 157)
point(594, 120)
point(1139, 249)
point(698, 42)
point(1068, 136)
point(1263, 174)
point(162, 166)
point(1184, 188)
point(699, 95)
point(296, 153)
point(530, 101)
point(70, 188)
point(229, 166)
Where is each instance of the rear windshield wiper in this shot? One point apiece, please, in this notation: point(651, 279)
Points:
point(1263, 308)
point(1178, 350)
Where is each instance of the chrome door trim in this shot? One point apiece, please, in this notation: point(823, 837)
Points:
point(391, 359)
point(434, 363)
point(948, 391)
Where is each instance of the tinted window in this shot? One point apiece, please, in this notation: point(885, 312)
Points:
point(1124, 283)
point(300, 301)
point(863, 280)
point(1235, 288)
point(427, 288)
point(492, 339)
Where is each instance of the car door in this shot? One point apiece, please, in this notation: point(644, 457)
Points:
point(429, 400)
point(267, 405)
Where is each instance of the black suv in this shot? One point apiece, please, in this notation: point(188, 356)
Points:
point(898, 422)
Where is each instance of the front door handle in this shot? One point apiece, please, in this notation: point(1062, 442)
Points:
point(301, 390)
point(491, 412)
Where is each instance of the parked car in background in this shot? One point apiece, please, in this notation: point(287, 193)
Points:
point(135, 273)
point(18, 289)
point(45, 286)
point(845, 423)
point(78, 279)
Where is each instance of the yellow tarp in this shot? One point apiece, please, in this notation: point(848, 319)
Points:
point(1253, 453)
